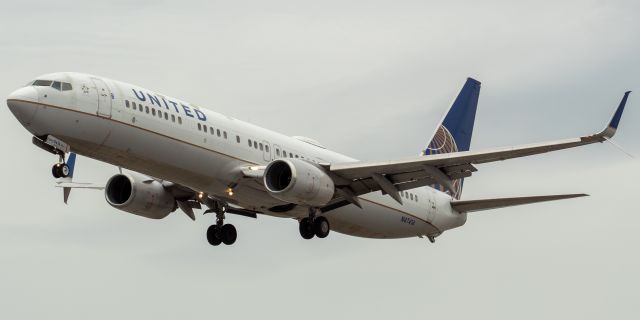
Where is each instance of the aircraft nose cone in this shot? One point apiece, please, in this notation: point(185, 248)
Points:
point(26, 93)
point(22, 103)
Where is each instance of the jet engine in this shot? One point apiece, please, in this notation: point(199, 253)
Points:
point(140, 195)
point(298, 181)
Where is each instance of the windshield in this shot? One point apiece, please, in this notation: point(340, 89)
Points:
point(58, 85)
point(42, 83)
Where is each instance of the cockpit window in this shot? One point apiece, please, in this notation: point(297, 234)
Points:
point(42, 83)
point(58, 85)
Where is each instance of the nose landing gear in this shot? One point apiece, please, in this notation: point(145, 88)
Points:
point(60, 170)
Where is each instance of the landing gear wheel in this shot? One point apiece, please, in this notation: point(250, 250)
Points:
point(213, 235)
point(60, 170)
point(64, 170)
point(321, 227)
point(306, 228)
point(228, 234)
point(55, 172)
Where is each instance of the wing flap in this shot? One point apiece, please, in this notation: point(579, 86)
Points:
point(488, 204)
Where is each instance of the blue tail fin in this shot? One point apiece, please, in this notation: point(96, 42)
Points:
point(455, 131)
point(71, 163)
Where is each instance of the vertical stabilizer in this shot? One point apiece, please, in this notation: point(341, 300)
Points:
point(456, 129)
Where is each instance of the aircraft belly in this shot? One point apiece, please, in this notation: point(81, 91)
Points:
point(375, 221)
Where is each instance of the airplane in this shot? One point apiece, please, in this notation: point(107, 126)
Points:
point(179, 155)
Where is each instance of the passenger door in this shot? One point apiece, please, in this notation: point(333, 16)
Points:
point(266, 153)
point(104, 98)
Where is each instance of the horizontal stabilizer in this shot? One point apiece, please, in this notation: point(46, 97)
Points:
point(488, 204)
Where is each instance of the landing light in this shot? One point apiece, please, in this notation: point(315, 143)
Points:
point(229, 192)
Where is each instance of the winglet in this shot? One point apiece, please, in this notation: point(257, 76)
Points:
point(611, 129)
point(66, 191)
point(71, 163)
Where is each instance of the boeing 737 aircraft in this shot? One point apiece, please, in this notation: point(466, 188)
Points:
point(182, 156)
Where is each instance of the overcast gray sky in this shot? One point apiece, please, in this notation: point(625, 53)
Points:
point(366, 78)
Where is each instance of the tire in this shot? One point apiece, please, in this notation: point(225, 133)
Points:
point(321, 227)
point(213, 235)
point(228, 234)
point(306, 229)
point(55, 172)
point(64, 170)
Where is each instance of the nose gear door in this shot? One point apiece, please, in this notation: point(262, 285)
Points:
point(104, 98)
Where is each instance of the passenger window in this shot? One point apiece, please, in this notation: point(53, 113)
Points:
point(297, 156)
point(146, 108)
point(266, 148)
point(411, 196)
point(237, 138)
point(224, 134)
point(199, 127)
point(179, 120)
point(166, 116)
point(57, 85)
point(249, 141)
point(218, 132)
point(66, 86)
point(290, 155)
point(212, 131)
point(153, 111)
point(277, 152)
point(416, 198)
point(173, 118)
point(255, 145)
point(140, 108)
point(126, 103)
point(261, 147)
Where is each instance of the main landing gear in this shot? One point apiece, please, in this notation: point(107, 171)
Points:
point(221, 232)
point(314, 226)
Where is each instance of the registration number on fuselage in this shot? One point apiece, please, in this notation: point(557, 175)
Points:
point(408, 220)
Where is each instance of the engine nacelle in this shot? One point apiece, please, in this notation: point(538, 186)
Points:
point(140, 195)
point(298, 181)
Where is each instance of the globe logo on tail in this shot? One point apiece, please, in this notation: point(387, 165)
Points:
point(443, 142)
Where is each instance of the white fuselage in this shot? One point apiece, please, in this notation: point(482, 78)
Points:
point(166, 138)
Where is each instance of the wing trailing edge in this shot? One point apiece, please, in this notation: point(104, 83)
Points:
point(489, 204)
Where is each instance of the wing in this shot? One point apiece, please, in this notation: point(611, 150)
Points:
point(391, 177)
